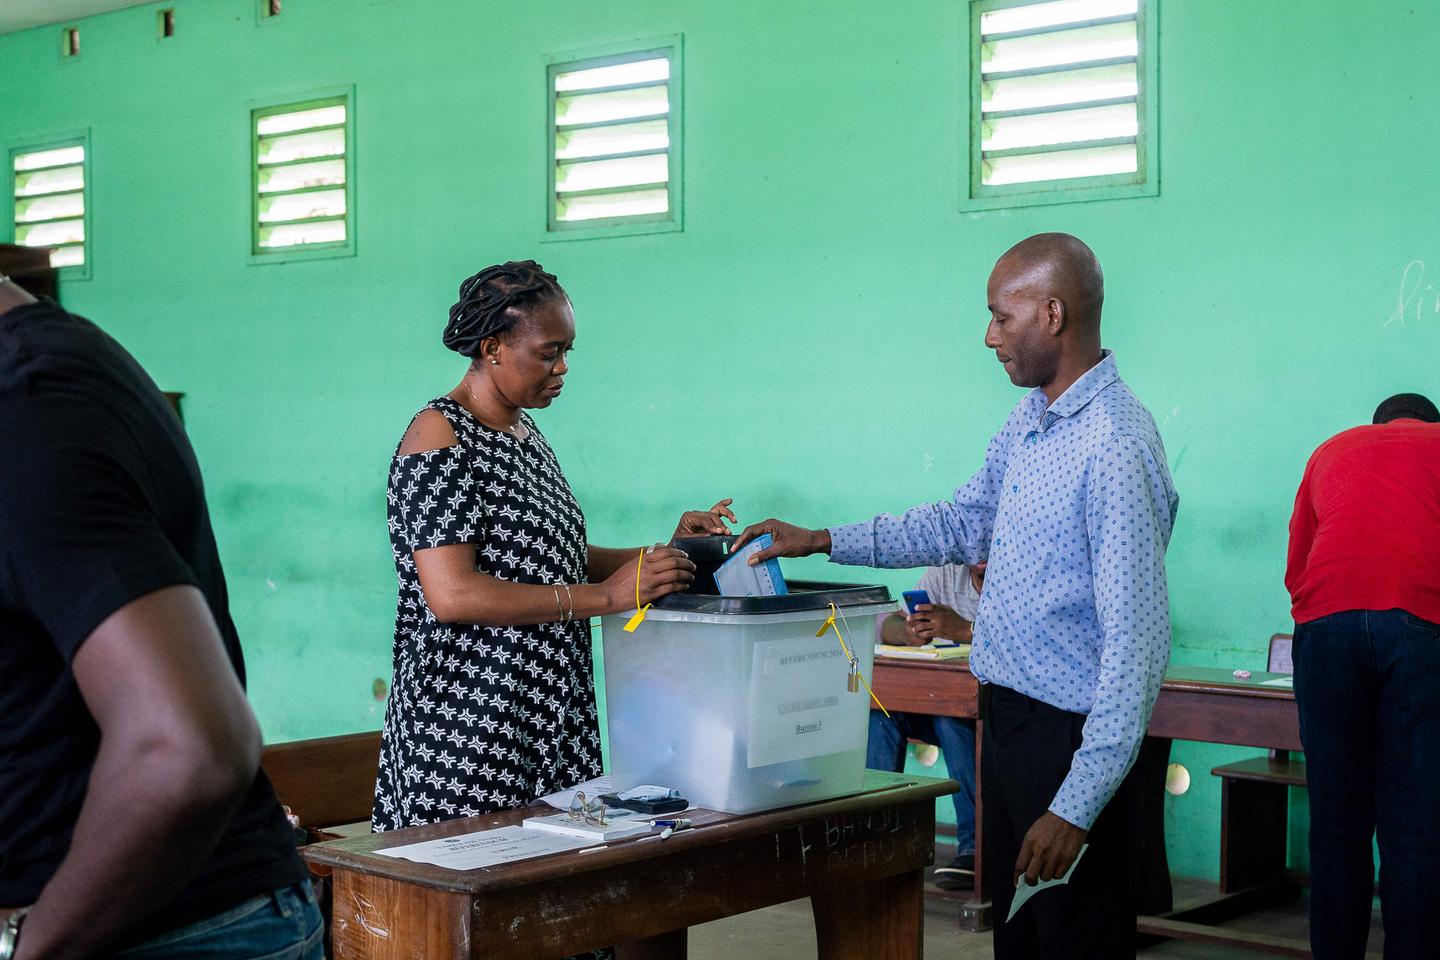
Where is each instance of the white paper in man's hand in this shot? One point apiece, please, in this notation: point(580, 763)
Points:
point(1024, 891)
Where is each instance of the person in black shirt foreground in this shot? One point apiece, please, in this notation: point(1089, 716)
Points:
point(134, 820)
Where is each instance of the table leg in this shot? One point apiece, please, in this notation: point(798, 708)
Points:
point(975, 913)
point(376, 918)
point(1254, 828)
point(877, 920)
point(666, 946)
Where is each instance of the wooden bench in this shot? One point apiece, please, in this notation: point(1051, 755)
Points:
point(1255, 803)
point(326, 782)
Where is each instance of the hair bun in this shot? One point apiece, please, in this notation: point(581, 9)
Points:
point(494, 300)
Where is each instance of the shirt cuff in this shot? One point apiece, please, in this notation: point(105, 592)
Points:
point(1079, 801)
point(850, 544)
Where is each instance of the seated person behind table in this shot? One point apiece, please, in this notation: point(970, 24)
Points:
point(955, 590)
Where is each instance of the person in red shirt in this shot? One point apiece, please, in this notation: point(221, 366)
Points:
point(1364, 581)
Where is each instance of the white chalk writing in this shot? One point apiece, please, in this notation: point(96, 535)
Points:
point(1417, 297)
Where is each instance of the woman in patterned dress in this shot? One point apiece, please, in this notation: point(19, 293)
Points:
point(492, 703)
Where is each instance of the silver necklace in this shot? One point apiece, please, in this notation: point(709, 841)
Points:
point(513, 429)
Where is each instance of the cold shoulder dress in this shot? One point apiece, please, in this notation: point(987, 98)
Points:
point(484, 718)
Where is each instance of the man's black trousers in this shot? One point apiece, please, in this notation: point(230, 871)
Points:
point(1027, 749)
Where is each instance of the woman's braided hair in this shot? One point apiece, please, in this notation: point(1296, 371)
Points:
point(494, 301)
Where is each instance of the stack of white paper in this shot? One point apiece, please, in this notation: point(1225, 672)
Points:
point(486, 848)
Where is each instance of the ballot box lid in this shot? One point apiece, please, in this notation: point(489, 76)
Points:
point(709, 552)
point(804, 595)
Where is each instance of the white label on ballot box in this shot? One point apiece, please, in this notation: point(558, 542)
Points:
point(798, 701)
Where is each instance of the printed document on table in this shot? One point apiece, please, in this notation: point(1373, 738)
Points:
point(1023, 890)
point(487, 848)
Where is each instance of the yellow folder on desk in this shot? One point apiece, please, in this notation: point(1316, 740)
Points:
point(958, 651)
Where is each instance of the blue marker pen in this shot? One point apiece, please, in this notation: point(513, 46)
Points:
point(671, 826)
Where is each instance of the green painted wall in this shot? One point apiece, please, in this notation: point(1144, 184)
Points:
point(810, 344)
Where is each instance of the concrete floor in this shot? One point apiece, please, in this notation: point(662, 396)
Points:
point(786, 932)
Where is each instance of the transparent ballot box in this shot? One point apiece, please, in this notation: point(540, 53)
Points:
point(736, 703)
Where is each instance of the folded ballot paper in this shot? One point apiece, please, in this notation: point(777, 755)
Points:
point(1024, 891)
point(736, 578)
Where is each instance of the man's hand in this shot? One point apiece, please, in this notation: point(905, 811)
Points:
point(790, 540)
point(932, 621)
point(1051, 846)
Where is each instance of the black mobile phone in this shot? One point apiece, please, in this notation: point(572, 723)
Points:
point(662, 805)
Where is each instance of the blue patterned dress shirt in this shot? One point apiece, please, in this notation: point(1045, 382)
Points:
point(1073, 509)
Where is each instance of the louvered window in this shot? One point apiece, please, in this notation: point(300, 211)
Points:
point(1061, 91)
point(304, 179)
point(50, 201)
point(614, 142)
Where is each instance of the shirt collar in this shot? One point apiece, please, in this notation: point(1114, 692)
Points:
point(1081, 392)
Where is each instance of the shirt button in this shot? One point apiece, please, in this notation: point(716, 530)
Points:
point(1015, 488)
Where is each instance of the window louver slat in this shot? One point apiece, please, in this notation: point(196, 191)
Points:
point(611, 140)
point(1059, 91)
point(49, 205)
point(302, 188)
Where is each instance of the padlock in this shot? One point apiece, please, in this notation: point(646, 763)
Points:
point(853, 682)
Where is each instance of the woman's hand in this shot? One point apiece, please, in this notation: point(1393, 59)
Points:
point(695, 523)
point(665, 571)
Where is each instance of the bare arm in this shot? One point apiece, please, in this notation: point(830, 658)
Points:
point(456, 592)
point(930, 622)
point(179, 747)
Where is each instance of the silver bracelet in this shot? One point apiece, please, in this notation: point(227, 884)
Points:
point(558, 608)
point(570, 617)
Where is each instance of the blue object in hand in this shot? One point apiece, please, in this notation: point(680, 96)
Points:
point(913, 598)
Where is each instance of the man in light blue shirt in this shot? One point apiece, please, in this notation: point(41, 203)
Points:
point(1073, 510)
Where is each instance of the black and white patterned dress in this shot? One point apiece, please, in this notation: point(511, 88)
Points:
point(484, 718)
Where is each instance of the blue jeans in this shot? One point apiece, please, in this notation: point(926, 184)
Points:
point(956, 740)
point(283, 925)
point(1368, 687)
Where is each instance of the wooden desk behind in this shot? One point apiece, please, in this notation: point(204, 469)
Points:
point(1209, 705)
point(860, 859)
point(327, 781)
point(1204, 704)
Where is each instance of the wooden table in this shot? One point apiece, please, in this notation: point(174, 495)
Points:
point(1195, 703)
point(861, 860)
point(1209, 705)
point(943, 689)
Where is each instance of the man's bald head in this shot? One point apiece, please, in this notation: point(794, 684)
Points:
point(1060, 266)
point(1044, 298)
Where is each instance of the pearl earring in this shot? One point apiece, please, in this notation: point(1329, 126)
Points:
point(495, 363)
